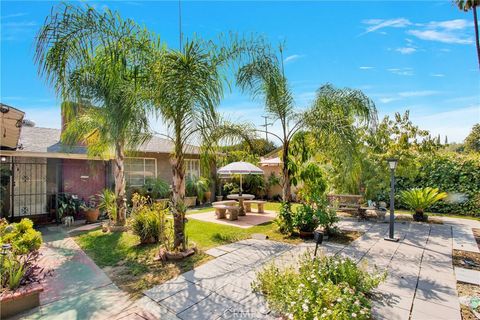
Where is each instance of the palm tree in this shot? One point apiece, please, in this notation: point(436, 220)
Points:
point(97, 62)
point(333, 113)
point(187, 86)
point(466, 5)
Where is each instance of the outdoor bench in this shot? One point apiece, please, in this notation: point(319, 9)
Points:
point(248, 205)
point(345, 202)
point(221, 210)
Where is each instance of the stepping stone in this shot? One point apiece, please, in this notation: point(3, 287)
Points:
point(215, 252)
point(467, 276)
point(463, 239)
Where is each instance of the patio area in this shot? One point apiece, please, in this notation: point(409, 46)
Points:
point(421, 282)
point(249, 220)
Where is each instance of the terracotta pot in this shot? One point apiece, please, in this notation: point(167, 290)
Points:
point(306, 234)
point(91, 215)
point(20, 300)
point(208, 196)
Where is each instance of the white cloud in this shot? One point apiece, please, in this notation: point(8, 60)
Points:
point(406, 50)
point(366, 68)
point(439, 75)
point(422, 93)
point(457, 24)
point(440, 36)
point(448, 31)
point(377, 24)
point(14, 15)
point(293, 57)
point(401, 71)
point(387, 100)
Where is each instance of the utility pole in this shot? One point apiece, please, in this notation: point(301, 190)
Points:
point(180, 23)
point(266, 126)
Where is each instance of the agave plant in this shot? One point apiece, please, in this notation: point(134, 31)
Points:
point(419, 199)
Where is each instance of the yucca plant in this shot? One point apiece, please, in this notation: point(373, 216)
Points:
point(108, 203)
point(419, 199)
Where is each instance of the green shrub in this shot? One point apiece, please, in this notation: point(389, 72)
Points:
point(22, 237)
point(156, 188)
point(306, 218)
point(148, 221)
point(327, 288)
point(284, 220)
point(327, 218)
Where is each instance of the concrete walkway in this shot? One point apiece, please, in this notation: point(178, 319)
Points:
point(421, 283)
point(78, 288)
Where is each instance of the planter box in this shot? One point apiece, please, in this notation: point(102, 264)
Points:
point(20, 300)
point(190, 201)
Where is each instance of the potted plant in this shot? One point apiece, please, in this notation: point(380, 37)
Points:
point(158, 190)
point(195, 188)
point(418, 199)
point(68, 205)
point(92, 212)
point(305, 220)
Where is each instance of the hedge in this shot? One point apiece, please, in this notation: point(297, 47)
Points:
point(457, 174)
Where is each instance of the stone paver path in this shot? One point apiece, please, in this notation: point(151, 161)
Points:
point(420, 285)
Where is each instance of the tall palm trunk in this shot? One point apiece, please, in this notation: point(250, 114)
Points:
point(286, 188)
point(178, 195)
point(477, 39)
point(120, 184)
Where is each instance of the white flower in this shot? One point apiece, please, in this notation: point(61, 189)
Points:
point(354, 315)
point(357, 303)
point(339, 300)
point(292, 303)
point(314, 281)
point(324, 309)
point(290, 316)
point(305, 307)
point(302, 285)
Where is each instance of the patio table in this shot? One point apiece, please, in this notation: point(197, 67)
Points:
point(240, 199)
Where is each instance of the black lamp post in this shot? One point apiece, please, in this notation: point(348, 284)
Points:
point(392, 164)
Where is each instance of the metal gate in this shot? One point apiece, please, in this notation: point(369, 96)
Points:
point(29, 187)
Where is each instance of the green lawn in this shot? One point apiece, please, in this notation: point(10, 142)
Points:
point(132, 266)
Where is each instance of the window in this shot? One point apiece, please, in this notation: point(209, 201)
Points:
point(138, 169)
point(192, 168)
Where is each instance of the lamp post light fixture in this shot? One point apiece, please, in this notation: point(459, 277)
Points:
point(392, 164)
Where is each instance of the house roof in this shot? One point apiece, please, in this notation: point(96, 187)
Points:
point(47, 140)
point(270, 162)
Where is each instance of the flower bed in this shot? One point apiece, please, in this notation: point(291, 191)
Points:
point(323, 288)
point(20, 274)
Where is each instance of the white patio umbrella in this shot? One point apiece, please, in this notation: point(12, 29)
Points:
point(239, 168)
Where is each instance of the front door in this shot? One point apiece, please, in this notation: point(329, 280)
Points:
point(29, 191)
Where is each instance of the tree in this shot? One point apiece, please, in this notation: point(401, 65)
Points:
point(332, 113)
point(472, 141)
point(466, 5)
point(97, 61)
point(186, 87)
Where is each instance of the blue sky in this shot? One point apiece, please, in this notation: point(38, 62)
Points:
point(415, 55)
